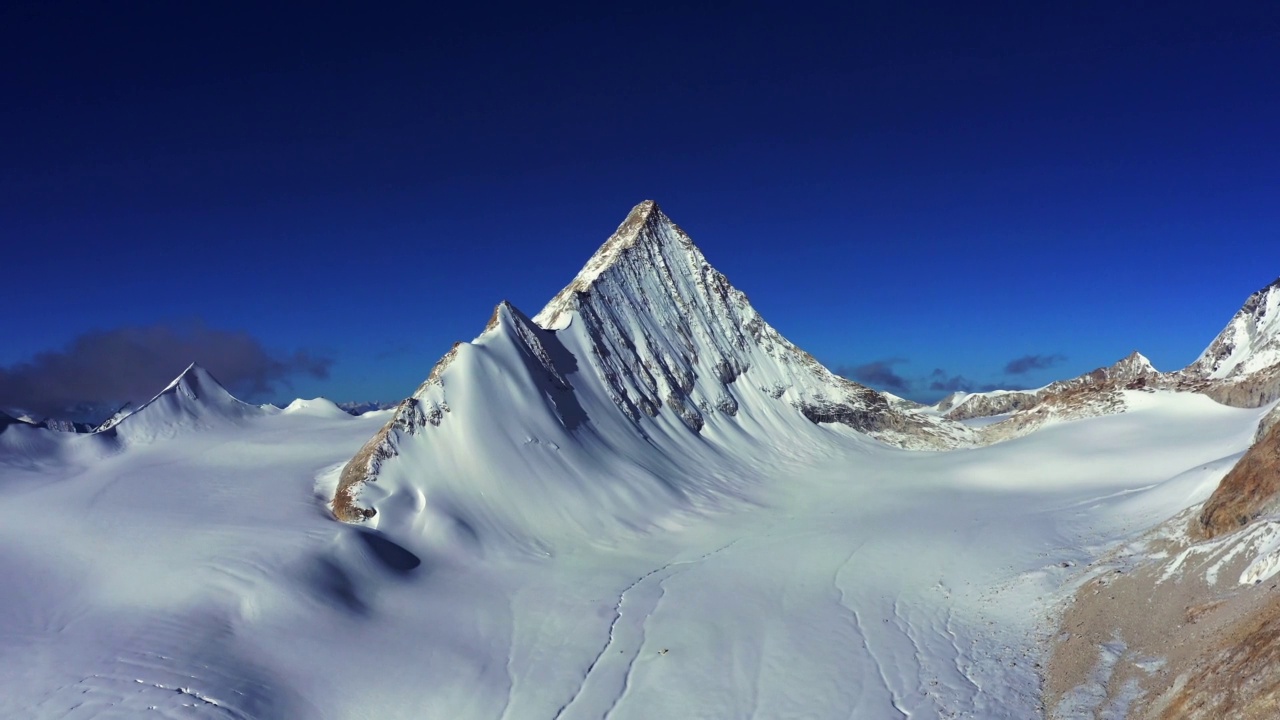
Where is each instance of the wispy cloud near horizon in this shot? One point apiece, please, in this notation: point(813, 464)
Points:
point(132, 364)
point(878, 374)
point(1028, 363)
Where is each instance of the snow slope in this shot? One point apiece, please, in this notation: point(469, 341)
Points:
point(644, 502)
point(199, 576)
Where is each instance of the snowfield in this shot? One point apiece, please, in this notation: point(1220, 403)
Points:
point(199, 573)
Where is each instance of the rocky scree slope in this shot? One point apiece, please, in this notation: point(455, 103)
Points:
point(1188, 614)
point(1094, 393)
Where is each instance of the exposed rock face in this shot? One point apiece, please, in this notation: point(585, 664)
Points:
point(988, 404)
point(1076, 403)
point(1269, 421)
point(1237, 679)
point(408, 420)
point(663, 334)
point(1253, 390)
point(1131, 372)
point(1241, 367)
point(1250, 342)
point(1248, 491)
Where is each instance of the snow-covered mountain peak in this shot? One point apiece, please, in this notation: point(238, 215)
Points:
point(648, 356)
point(1249, 343)
point(195, 383)
point(1131, 367)
point(194, 398)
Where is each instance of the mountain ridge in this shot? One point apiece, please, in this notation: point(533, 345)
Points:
point(648, 327)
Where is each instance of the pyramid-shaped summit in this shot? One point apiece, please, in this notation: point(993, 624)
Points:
point(194, 399)
point(646, 235)
point(648, 353)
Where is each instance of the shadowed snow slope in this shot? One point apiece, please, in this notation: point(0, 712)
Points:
point(647, 388)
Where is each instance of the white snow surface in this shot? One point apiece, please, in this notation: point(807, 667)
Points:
point(198, 574)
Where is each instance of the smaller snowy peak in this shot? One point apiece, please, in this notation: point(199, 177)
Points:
point(1248, 344)
point(194, 399)
point(317, 407)
point(1097, 392)
point(1133, 366)
point(1132, 371)
point(900, 403)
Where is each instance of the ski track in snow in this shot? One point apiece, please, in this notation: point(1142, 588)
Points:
point(634, 641)
point(895, 701)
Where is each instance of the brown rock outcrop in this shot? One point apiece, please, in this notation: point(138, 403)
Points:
point(1248, 491)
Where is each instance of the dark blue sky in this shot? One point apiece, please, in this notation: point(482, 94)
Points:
point(927, 186)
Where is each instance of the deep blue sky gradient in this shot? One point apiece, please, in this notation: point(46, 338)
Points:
point(926, 185)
